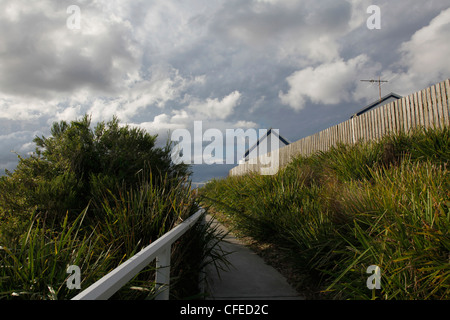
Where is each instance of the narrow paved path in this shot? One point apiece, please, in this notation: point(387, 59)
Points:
point(248, 278)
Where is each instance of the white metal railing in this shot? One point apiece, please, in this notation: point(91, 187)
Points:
point(159, 250)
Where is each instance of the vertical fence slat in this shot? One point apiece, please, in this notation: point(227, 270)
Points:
point(434, 107)
point(389, 117)
point(369, 124)
point(358, 133)
point(363, 128)
point(383, 123)
point(375, 123)
point(408, 113)
point(316, 142)
point(445, 107)
point(308, 144)
point(426, 120)
point(327, 145)
point(412, 110)
point(404, 115)
point(346, 132)
point(349, 132)
point(320, 141)
point(447, 98)
point(439, 105)
point(430, 108)
point(415, 110)
point(419, 109)
point(387, 124)
point(313, 144)
point(323, 140)
point(393, 116)
point(447, 90)
point(363, 118)
point(398, 115)
point(332, 136)
point(336, 135)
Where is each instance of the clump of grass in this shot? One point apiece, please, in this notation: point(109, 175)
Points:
point(401, 223)
point(382, 203)
point(36, 269)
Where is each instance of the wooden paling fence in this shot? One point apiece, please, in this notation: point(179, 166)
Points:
point(428, 108)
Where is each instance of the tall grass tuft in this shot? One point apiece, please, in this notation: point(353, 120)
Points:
point(36, 269)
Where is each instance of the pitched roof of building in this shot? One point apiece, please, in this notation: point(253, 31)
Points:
point(269, 132)
point(391, 96)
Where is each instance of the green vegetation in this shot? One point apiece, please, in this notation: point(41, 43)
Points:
point(93, 198)
point(384, 203)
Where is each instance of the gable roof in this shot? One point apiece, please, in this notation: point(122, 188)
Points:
point(268, 133)
point(386, 99)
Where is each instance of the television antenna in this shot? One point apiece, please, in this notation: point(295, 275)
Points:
point(379, 81)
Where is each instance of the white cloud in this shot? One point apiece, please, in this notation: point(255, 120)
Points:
point(245, 124)
point(69, 114)
point(25, 108)
point(215, 108)
point(161, 123)
point(427, 53)
point(163, 86)
point(329, 83)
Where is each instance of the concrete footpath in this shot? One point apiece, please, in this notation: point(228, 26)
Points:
point(248, 277)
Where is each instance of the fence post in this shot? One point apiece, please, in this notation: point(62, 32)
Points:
point(163, 274)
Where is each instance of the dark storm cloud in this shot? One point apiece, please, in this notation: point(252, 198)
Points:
point(41, 57)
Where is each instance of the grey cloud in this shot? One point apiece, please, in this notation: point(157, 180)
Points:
point(13, 144)
point(265, 24)
point(41, 57)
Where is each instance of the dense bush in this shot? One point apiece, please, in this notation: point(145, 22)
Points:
point(93, 198)
point(77, 163)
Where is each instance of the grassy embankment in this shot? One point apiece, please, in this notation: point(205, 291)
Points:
point(338, 212)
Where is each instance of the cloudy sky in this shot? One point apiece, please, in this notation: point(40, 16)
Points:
point(294, 65)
